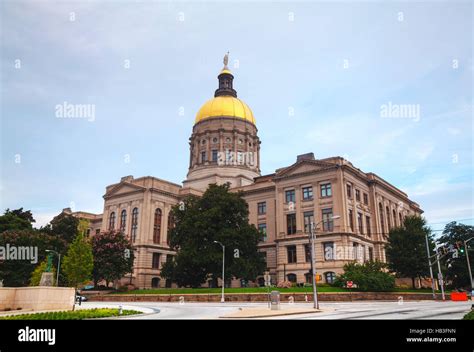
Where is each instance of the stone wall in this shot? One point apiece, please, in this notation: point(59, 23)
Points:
point(261, 297)
point(36, 298)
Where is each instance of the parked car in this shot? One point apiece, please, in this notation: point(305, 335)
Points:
point(80, 298)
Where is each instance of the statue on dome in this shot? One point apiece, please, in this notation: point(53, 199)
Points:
point(226, 60)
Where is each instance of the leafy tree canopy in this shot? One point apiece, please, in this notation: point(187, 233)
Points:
point(457, 273)
point(406, 248)
point(219, 215)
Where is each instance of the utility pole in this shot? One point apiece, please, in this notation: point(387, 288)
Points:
point(431, 269)
point(469, 263)
point(440, 275)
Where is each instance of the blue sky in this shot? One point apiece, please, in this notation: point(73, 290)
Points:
point(334, 64)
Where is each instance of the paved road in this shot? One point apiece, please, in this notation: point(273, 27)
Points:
point(343, 310)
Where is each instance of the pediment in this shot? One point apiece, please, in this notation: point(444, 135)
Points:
point(124, 188)
point(303, 167)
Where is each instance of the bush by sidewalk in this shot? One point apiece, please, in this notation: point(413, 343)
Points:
point(369, 276)
point(71, 315)
point(469, 316)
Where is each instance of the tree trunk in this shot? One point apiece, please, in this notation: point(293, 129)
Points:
point(413, 282)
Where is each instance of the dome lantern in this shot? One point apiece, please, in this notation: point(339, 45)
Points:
point(225, 102)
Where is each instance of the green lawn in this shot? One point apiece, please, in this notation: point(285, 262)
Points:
point(167, 291)
point(469, 316)
point(71, 315)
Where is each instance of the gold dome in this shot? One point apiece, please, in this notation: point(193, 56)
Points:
point(225, 106)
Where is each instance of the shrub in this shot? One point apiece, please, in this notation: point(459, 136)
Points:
point(369, 276)
point(469, 316)
point(284, 284)
point(72, 315)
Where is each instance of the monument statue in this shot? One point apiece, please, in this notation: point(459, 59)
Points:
point(226, 60)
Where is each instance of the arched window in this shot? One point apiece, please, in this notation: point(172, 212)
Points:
point(330, 277)
point(157, 226)
point(123, 220)
point(155, 282)
point(170, 226)
point(291, 277)
point(389, 222)
point(394, 216)
point(134, 224)
point(382, 223)
point(112, 221)
point(401, 219)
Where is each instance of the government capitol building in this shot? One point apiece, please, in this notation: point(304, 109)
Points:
point(224, 147)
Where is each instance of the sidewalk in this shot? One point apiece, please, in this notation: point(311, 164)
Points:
point(260, 312)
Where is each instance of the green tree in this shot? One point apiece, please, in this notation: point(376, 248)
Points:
point(16, 220)
point(82, 226)
point(78, 262)
point(219, 215)
point(113, 256)
point(369, 276)
point(38, 272)
point(457, 273)
point(406, 249)
point(17, 273)
point(64, 226)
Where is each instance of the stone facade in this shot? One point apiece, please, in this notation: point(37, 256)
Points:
point(225, 147)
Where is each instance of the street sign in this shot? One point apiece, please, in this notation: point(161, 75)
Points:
point(349, 284)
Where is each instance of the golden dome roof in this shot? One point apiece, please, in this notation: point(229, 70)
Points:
point(225, 105)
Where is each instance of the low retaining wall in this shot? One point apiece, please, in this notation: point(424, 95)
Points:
point(36, 298)
point(262, 297)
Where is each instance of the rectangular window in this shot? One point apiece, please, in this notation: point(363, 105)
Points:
point(263, 230)
point(357, 195)
point(203, 157)
point(291, 252)
point(307, 253)
point(307, 193)
point(367, 225)
point(156, 261)
point(328, 224)
point(326, 190)
point(214, 155)
point(349, 191)
point(371, 254)
point(351, 220)
point(308, 218)
point(360, 223)
point(366, 199)
point(291, 224)
point(262, 208)
point(328, 250)
point(290, 196)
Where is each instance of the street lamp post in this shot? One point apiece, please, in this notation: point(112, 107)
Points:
point(59, 264)
point(440, 275)
point(312, 236)
point(223, 270)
